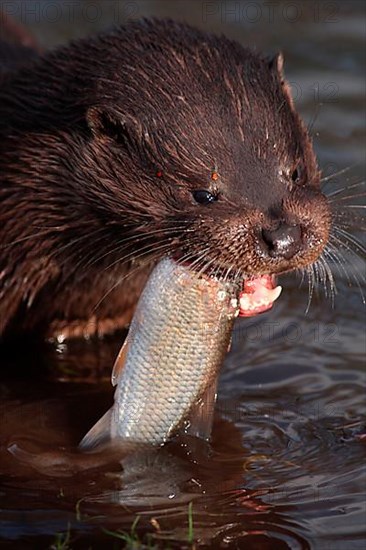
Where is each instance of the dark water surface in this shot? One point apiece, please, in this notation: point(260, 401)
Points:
point(285, 468)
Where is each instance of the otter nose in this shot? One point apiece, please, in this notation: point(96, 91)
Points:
point(284, 241)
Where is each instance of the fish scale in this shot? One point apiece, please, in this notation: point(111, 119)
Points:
point(175, 347)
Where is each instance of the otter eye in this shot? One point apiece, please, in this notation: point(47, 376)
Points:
point(297, 174)
point(203, 197)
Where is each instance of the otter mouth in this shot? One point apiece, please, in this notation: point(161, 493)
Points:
point(258, 295)
point(258, 292)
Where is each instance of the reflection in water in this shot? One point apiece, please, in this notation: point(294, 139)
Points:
point(156, 485)
point(285, 467)
point(280, 468)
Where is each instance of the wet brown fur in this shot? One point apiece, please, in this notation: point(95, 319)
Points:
point(102, 143)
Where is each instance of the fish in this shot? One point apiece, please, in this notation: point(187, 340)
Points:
point(166, 372)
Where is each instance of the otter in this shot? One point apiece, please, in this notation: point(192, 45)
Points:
point(151, 139)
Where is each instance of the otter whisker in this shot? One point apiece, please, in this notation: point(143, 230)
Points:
point(311, 284)
point(83, 261)
point(23, 239)
point(121, 246)
point(341, 266)
point(310, 125)
point(302, 272)
point(147, 249)
point(87, 255)
point(350, 239)
point(345, 188)
point(350, 276)
point(348, 219)
point(126, 276)
point(342, 244)
point(202, 262)
point(138, 237)
point(144, 250)
point(135, 238)
point(316, 271)
point(228, 271)
point(211, 267)
point(354, 196)
point(321, 278)
point(197, 260)
point(328, 277)
point(340, 193)
point(332, 254)
point(339, 173)
point(59, 250)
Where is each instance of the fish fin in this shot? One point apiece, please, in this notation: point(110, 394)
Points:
point(119, 362)
point(99, 434)
point(201, 415)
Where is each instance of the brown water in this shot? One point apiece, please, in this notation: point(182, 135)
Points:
point(285, 468)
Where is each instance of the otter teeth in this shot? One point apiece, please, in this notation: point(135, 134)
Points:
point(261, 299)
point(251, 301)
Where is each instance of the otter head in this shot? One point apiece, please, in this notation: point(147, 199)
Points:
point(200, 142)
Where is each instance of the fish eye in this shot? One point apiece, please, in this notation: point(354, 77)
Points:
point(204, 197)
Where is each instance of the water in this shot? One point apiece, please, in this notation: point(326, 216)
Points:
point(285, 466)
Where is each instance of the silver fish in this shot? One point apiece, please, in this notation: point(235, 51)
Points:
point(166, 372)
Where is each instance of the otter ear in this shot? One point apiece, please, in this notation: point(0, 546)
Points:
point(275, 64)
point(104, 123)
